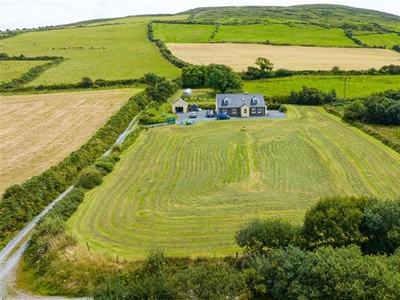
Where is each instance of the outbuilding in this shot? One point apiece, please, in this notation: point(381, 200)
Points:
point(180, 106)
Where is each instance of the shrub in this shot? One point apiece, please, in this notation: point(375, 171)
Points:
point(89, 178)
point(105, 164)
point(270, 233)
point(282, 108)
point(210, 281)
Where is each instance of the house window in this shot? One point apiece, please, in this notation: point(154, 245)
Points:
point(225, 111)
point(234, 111)
point(225, 101)
point(245, 111)
point(253, 111)
point(259, 111)
point(255, 100)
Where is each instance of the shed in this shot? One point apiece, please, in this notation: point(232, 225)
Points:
point(180, 106)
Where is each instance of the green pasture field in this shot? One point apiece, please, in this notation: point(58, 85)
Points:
point(385, 39)
point(179, 33)
point(295, 34)
point(100, 52)
point(11, 69)
point(187, 189)
point(283, 34)
point(356, 86)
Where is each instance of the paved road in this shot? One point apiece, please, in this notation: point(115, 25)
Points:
point(11, 254)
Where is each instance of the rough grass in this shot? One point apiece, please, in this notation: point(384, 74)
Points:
point(37, 131)
point(100, 52)
point(392, 133)
point(240, 56)
point(14, 69)
point(356, 86)
point(187, 189)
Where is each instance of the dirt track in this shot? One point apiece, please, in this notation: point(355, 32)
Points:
point(240, 56)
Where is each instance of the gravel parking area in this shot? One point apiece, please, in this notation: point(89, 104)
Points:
point(201, 116)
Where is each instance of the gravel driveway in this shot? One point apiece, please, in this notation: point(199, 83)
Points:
point(201, 116)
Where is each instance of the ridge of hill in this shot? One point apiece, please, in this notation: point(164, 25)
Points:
point(329, 14)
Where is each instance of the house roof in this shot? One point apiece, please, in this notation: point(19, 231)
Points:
point(180, 100)
point(238, 100)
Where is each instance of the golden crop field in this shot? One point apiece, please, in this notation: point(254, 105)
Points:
point(37, 131)
point(240, 56)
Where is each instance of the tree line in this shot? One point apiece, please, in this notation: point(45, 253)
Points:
point(380, 108)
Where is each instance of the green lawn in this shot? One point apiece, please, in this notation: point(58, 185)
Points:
point(100, 52)
point(357, 86)
point(11, 69)
point(187, 189)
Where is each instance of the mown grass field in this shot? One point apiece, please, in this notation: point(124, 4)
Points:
point(279, 34)
point(356, 86)
point(240, 56)
point(109, 52)
point(14, 69)
point(38, 131)
point(187, 189)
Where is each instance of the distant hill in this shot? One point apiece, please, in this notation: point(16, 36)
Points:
point(330, 15)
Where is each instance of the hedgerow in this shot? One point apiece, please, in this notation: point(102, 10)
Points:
point(22, 202)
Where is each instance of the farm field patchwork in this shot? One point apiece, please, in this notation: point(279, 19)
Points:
point(187, 189)
point(38, 131)
point(356, 86)
point(108, 52)
point(240, 56)
point(278, 34)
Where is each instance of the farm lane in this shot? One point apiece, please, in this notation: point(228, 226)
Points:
point(12, 253)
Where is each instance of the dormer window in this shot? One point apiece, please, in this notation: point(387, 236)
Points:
point(254, 100)
point(225, 101)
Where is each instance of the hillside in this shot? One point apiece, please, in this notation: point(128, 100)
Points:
point(330, 15)
point(116, 49)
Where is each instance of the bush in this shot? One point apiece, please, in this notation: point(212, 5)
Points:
point(89, 178)
point(311, 96)
point(210, 281)
point(260, 234)
point(334, 221)
point(105, 164)
point(282, 108)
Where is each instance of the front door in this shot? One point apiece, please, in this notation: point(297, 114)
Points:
point(245, 111)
